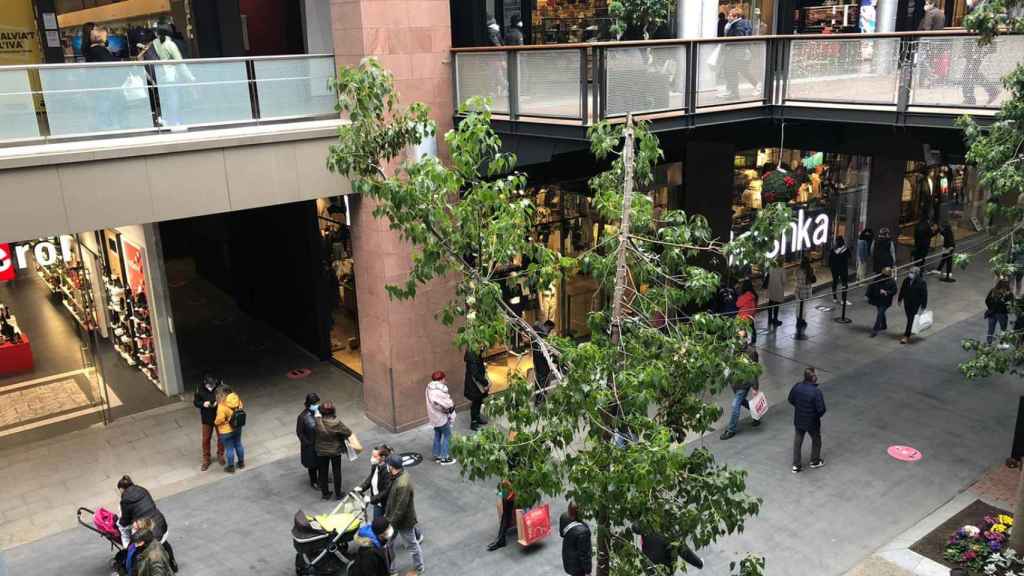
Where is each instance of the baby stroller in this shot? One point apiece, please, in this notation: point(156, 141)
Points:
point(104, 523)
point(324, 543)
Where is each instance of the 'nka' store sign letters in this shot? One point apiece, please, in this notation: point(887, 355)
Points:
point(804, 233)
point(45, 253)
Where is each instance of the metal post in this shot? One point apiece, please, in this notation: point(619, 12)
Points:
point(843, 319)
point(598, 80)
point(584, 87)
point(254, 98)
point(692, 76)
point(603, 110)
point(907, 61)
point(513, 84)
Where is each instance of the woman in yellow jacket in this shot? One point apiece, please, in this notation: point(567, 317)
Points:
point(227, 403)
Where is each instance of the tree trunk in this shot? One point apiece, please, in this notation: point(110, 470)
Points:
point(1017, 535)
point(603, 524)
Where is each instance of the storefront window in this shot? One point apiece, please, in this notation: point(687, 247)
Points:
point(939, 194)
point(335, 230)
point(833, 16)
point(758, 12)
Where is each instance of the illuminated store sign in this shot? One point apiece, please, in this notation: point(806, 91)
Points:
point(45, 253)
point(800, 236)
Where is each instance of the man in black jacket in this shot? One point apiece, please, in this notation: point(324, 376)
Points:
point(476, 387)
point(576, 548)
point(808, 408)
point(914, 296)
point(205, 399)
point(661, 552)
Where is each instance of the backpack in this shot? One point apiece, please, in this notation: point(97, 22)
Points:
point(237, 419)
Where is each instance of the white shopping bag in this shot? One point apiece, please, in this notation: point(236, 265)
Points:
point(352, 454)
point(134, 88)
point(713, 57)
point(758, 403)
point(922, 322)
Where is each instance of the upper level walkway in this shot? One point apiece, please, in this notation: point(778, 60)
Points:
point(925, 79)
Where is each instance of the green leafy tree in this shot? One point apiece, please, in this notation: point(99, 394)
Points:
point(998, 153)
point(639, 19)
point(609, 433)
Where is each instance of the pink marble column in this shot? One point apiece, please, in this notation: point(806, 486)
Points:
point(402, 342)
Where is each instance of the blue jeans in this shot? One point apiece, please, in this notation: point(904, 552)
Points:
point(880, 323)
point(232, 446)
point(737, 405)
point(411, 540)
point(993, 319)
point(442, 438)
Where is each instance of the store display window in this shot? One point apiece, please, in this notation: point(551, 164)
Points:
point(834, 16)
point(827, 193)
point(335, 232)
point(939, 194)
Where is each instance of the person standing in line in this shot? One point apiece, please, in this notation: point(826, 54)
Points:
point(808, 408)
point(400, 512)
point(331, 434)
point(205, 399)
point(914, 296)
point(997, 307)
point(476, 387)
point(741, 389)
point(514, 36)
point(839, 265)
point(883, 251)
point(805, 280)
point(880, 295)
point(864, 243)
point(922, 241)
point(441, 413)
point(746, 306)
point(948, 248)
point(775, 281)
point(227, 404)
point(577, 556)
point(305, 429)
point(377, 485)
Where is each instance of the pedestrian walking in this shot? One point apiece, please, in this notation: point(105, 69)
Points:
point(934, 17)
point(401, 512)
point(883, 251)
point(305, 429)
point(476, 387)
point(865, 241)
point(662, 553)
point(948, 248)
point(577, 556)
point(229, 427)
point(805, 280)
point(808, 408)
point(150, 558)
point(880, 295)
point(205, 399)
point(514, 36)
point(377, 485)
point(914, 296)
point(441, 413)
point(507, 519)
point(997, 307)
point(922, 241)
point(493, 32)
point(372, 555)
point(839, 265)
point(737, 55)
point(775, 282)
point(331, 434)
point(741, 388)
point(138, 504)
point(746, 306)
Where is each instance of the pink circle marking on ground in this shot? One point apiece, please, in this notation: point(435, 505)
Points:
point(905, 453)
point(299, 373)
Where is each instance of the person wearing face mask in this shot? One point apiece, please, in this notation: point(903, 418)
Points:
point(372, 556)
point(305, 429)
point(914, 297)
point(514, 37)
point(205, 399)
point(377, 485)
point(808, 408)
point(494, 32)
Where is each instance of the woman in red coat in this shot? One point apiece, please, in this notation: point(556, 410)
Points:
point(747, 304)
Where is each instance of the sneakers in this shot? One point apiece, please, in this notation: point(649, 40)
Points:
point(204, 467)
point(817, 463)
point(447, 461)
point(229, 469)
point(241, 465)
point(755, 423)
point(437, 460)
point(727, 434)
point(797, 469)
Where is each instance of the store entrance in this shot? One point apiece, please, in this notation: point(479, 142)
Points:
point(335, 227)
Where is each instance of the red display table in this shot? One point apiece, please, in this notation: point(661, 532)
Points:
point(15, 358)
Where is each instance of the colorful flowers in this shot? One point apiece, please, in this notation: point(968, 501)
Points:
point(999, 528)
point(971, 546)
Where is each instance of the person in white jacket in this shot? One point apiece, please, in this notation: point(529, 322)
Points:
point(441, 413)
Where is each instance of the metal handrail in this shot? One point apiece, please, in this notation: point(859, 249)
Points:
point(122, 63)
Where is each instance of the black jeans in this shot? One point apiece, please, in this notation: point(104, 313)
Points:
point(327, 462)
point(920, 253)
point(910, 321)
point(508, 518)
point(947, 263)
point(837, 279)
point(313, 474)
point(798, 445)
point(474, 409)
point(773, 312)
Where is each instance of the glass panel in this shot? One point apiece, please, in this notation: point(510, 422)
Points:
point(203, 93)
point(959, 72)
point(549, 83)
point(730, 73)
point(17, 109)
point(90, 99)
point(858, 71)
point(483, 74)
point(646, 79)
point(295, 87)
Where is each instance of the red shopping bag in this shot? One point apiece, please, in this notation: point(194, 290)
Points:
point(942, 66)
point(533, 525)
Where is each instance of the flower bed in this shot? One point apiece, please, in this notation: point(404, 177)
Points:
point(971, 546)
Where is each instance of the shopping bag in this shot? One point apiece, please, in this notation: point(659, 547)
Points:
point(533, 525)
point(354, 442)
point(713, 57)
point(758, 404)
point(134, 88)
point(922, 322)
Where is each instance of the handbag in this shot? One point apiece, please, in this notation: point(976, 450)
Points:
point(922, 322)
point(353, 454)
point(354, 442)
point(134, 88)
point(758, 405)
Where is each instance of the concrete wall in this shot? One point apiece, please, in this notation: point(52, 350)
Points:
point(78, 187)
